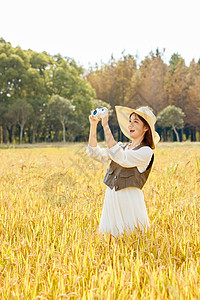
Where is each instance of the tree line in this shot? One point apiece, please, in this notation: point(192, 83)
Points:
point(156, 84)
point(46, 98)
point(43, 98)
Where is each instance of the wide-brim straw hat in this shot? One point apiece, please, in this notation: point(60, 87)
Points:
point(123, 114)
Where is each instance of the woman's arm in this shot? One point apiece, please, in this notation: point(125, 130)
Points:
point(93, 131)
point(93, 150)
point(98, 154)
point(93, 135)
point(107, 132)
point(109, 137)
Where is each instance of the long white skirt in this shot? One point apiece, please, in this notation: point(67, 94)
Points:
point(123, 210)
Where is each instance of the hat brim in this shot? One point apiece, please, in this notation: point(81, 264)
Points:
point(123, 114)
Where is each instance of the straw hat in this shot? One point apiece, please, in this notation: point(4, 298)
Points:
point(123, 114)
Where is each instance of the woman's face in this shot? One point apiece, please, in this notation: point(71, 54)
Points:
point(136, 127)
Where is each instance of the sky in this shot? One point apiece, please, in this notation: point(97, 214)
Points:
point(90, 31)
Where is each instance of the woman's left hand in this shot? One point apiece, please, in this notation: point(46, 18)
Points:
point(104, 120)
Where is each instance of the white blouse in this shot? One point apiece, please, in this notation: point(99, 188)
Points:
point(127, 158)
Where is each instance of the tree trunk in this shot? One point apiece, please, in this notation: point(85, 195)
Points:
point(63, 125)
point(177, 137)
point(10, 133)
point(193, 134)
point(21, 133)
point(49, 137)
point(165, 135)
point(187, 133)
point(34, 133)
point(13, 133)
point(1, 131)
point(181, 134)
point(5, 137)
point(57, 134)
point(29, 134)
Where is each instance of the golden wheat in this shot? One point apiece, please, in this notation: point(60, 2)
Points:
point(51, 203)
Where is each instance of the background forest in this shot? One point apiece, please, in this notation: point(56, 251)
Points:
point(46, 98)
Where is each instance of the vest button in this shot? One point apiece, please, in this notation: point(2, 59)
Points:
point(115, 176)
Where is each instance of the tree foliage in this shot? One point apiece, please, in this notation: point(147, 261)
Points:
point(36, 78)
point(61, 109)
point(152, 83)
point(171, 116)
point(39, 78)
point(19, 112)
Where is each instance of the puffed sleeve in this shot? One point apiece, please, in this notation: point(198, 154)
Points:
point(139, 158)
point(98, 154)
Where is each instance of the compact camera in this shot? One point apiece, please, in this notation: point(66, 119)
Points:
point(99, 113)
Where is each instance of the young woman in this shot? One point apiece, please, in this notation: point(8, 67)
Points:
point(130, 164)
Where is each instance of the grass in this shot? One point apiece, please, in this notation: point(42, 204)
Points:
point(51, 204)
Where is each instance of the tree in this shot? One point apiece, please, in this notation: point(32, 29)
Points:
point(176, 84)
point(112, 81)
point(36, 77)
point(147, 84)
point(174, 60)
point(61, 109)
point(12, 69)
point(22, 77)
point(192, 107)
point(171, 116)
point(20, 112)
point(64, 79)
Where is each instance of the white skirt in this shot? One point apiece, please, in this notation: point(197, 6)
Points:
point(123, 210)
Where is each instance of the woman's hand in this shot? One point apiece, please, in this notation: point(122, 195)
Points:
point(104, 120)
point(93, 121)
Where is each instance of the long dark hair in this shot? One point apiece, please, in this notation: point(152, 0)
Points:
point(147, 140)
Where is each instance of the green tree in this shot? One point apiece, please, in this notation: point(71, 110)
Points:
point(171, 116)
point(20, 112)
point(22, 77)
point(12, 68)
point(36, 77)
point(174, 60)
point(83, 100)
point(61, 109)
point(65, 78)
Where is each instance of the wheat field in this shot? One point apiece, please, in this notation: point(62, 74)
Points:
point(51, 204)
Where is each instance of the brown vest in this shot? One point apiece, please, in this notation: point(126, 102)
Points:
point(121, 177)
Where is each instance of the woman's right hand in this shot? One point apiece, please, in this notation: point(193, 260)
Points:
point(93, 121)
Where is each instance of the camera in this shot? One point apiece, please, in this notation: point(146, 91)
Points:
point(99, 113)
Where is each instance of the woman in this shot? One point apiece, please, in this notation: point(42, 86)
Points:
point(130, 164)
